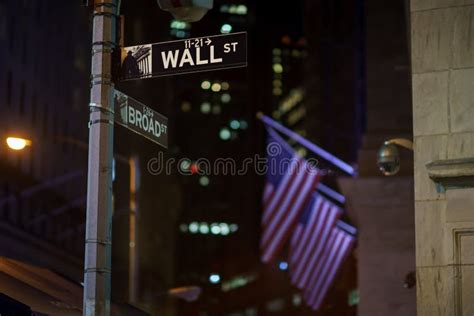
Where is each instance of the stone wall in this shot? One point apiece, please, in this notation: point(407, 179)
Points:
point(443, 112)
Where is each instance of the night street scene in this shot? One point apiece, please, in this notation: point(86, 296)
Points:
point(236, 158)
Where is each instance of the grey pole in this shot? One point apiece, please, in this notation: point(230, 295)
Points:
point(98, 247)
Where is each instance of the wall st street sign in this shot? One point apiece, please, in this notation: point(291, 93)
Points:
point(184, 56)
point(140, 119)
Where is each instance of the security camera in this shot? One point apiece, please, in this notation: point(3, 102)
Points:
point(388, 157)
point(186, 10)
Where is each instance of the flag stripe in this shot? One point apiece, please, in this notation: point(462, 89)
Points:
point(278, 213)
point(269, 211)
point(299, 246)
point(347, 242)
point(329, 216)
point(288, 225)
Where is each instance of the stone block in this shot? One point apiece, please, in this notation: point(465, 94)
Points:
point(463, 39)
point(430, 103)
point(465, 287)
point(417, 5)
point(430, 237)
point(434, 291)
point(432, 38)
point(427, 149)
point(461, 99)
point(460, 205)
point(461, 145)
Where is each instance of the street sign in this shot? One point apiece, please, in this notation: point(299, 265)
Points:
point(140, 119)
point(184, 56)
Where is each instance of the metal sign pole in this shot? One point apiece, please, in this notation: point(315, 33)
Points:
point(98, 247)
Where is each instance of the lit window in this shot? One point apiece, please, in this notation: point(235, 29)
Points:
point(241, 9)
point(215, 229)
point(216, 87)
point(277, 68)
point(193, 227)
point(214, 278)
point(205, 107)
point(225, 85)
point(225, 98)
point(226, 28)
point(204, 181)
point(224, 229)
point(225, 134)
point(234, 124)
point(205, 85)
point(204, 229)
point(233, 227)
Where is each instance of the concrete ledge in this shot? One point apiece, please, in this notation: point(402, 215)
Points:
point(452, 173)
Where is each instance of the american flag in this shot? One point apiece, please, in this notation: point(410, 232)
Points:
point(310, 238)
point(316, 254)
point(290, 180)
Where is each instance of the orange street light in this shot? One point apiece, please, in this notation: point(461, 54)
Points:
point(18, 143)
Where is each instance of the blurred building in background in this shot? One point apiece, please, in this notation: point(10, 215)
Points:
point(44, 89)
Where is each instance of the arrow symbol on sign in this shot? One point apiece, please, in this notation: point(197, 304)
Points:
point(208, 42)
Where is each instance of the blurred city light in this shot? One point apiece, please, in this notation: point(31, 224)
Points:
point(204, 228)
point(193, 227)
point(277, 68)
point(226, 28)
point(215, 229)
point(225, 85)
point(241, 9)
point(216, 87)
point(234, 124)
point(214, 278)
point(180, 25)
point(18, 143)
point(225, 98)
point(183, 228)
point(244, 124)
point(205, 107)
point(225, 134)
point(224, 229)
point(233, 227)
point(204, 181)
point(206, 85)
point(221, 229)
point(283, 266)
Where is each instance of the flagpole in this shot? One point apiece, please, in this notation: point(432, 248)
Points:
point(344, 166)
